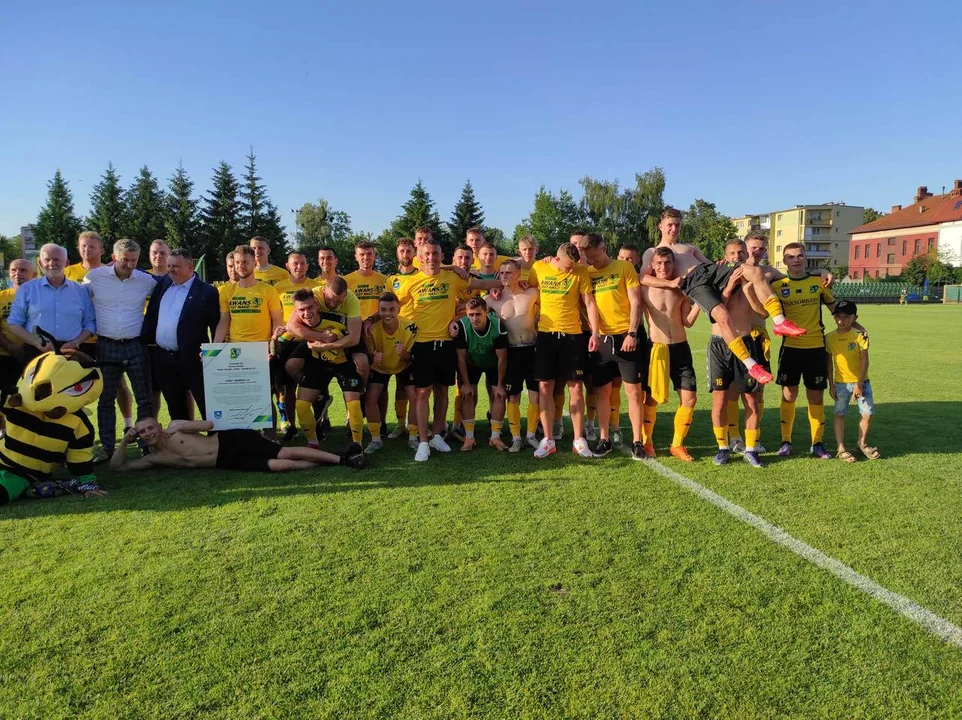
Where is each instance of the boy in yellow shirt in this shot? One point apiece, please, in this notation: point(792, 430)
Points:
point(848, 378)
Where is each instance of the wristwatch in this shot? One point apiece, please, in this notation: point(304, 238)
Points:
point(632, 334)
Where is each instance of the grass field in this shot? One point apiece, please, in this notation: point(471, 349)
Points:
point(501, 586)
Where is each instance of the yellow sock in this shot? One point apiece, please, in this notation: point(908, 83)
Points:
point(468, 427)
point(816, 421)
point(514, 418)
point(751, 438)
point(534, 414)
point(412, 431)
point(721, 437)
point(305, 418)
point(458, 401)
point(355, 418)
point(683, 417)
point(773, 306)
point(591, 405)
point(739, 349)
point(733, 432)
point(401, 409)
point(375, 429)
point(496, 426)
point(648, 426)
point(786, 414)
point(615, 419)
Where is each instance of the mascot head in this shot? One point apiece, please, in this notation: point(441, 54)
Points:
point(54, 385)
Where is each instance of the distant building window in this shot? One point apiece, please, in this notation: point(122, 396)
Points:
point(778, 233)
point(779, 216)
point(890, 259)
point(857, 248)
point(905, 247)
point(958, 205)
point(891, 241)
point(876, 273)
point(879, 252)
point(778, 249)
point(854, 274)
point(838, 213)
point(868, 251)
point(918, 246)
point(931, 242)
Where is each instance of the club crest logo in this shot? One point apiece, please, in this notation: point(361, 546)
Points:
point(786, 292)
point(397, 285)
point(218, 414)
point(813, 289)
point(235, 353)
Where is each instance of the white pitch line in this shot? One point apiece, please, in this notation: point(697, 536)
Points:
point(902, 605)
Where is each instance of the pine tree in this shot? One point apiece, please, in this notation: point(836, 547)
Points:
point(220, 221)
point(108, 208)
point(467, 214)
point(259, 216)
point(417, 211)
point(182, 222)
point(146, 211)
point(57, 222)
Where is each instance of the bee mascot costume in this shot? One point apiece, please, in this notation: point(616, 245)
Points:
point(46, 427)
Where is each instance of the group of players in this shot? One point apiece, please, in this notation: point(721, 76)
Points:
point(574, 320)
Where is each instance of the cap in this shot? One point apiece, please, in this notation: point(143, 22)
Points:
point(845, 307)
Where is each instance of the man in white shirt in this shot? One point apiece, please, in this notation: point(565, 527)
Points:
point(119, 292)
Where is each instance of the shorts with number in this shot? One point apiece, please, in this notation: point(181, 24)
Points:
point(610, 361)
point(403, 378)
point(802, 363)
point(435, 363)
point(520, 372)
point(843, 395)
point(560, 356)
point(705, 283)
point(726, 371)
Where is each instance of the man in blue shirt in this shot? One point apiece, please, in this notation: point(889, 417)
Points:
point(59, 306)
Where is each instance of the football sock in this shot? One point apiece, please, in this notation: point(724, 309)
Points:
point(496, 426)
point(774, 308)
point(468, 427)
point(514, 417)
point(721, 437)
point(816, 421)
point(355, 418)
point(648, 426)
point(733, 432)
point(375, 429)
point(683, 417)
point(740, 350)
point(786, 414)
point(534, 415)
point(751, 438)
point(305, 418)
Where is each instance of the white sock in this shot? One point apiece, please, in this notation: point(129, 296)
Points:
point(128, 423)
point(778, 319)
point(749, 363)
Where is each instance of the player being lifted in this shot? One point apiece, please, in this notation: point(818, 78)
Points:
point(518, 309)
point(561, 348)
point(669, 312)
point(703, 282)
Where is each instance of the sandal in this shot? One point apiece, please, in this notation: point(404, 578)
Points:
point(846, 456)
point(870, 452)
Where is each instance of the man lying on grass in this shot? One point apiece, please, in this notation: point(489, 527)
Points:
point(182, 445)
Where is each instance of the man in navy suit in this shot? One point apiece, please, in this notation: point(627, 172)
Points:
point(182, 313)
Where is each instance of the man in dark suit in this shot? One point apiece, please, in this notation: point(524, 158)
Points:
point(182, 313)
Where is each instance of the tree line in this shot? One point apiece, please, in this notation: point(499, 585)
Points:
point(237, 208)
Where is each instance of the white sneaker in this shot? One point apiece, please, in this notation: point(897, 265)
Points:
point(516, 445)
point(397, 432)
point(423, 453)
point(590, 432)
point(532, 440)
point(580, 447)
point(437, 442)
point(545, 448)
point(373, 446)
point(737, 446)
point(559, 430)
point(413, 442)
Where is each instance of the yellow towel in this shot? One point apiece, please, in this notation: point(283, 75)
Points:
point(658, 379)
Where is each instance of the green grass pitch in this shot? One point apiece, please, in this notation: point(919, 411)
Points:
point(500, 586)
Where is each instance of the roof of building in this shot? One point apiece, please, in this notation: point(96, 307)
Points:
point(930, 210)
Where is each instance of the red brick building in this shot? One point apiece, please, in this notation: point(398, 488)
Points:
point(883, 247)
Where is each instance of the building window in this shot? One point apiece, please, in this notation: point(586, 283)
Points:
point(857, 248)
point(891, 241)
point(876, 273)
point(890, 259)
point(854, 274)
point(778, 233)
point(868, 251)
point(918, 246)
point(779, 216)
point(838, 213)
point(778, 249)
point(878, 253)
point(905, 247)
point(931, 242)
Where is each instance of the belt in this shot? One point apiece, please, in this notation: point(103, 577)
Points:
point(169, 352)
point(119, 341)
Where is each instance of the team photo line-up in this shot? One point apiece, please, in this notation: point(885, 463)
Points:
point(579, 320)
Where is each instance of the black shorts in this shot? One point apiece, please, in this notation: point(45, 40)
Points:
point(10, 370)
point(705, 283)
point(490, 375)
point(317, 374)
point(283, 351)
point(559, 356)
point(245, 450)
point(360, 348)
point(726, 371)
point(610, 362)
point(796, 363)
point(435, 363)
point(681, 367)
point(403, 378)
point(520, 372)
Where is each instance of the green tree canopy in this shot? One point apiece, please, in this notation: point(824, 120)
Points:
point(108, 208)
point(418, 210)
point(467, 214)
point(220, 218)
point(319, 225)
point(708, 229)
point(182, 222)
point(871, 215)
point(57, 222)
point(146, 211)
point(552, 220)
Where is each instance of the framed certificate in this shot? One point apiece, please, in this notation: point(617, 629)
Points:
point(237, 385)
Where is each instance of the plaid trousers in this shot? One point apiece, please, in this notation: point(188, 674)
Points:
point(135, 355)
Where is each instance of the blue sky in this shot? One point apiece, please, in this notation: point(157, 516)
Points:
point(752, 105)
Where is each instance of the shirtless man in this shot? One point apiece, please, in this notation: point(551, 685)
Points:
point(518, 309)
point(703, 282)
point(181, 445)
point(727, 378)
point(669, 312)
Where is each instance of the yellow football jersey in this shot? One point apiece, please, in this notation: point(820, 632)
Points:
point(285, 291)
point(250, 311)
point(560, 296)
point(846, 350)
point(379, 340)
point(272, 275)
point(368, 289)
point(610, 286)
point(6, 302)
point(395, 284)
point(434, 300)
point(802, 301)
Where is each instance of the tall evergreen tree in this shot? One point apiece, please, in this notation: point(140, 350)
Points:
point(182, 223)
point(57, 222)
point(108, 208)
point(259, 216)
point(467, 214)
point(417, 211)
point(220, 219)
point(146, 211)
